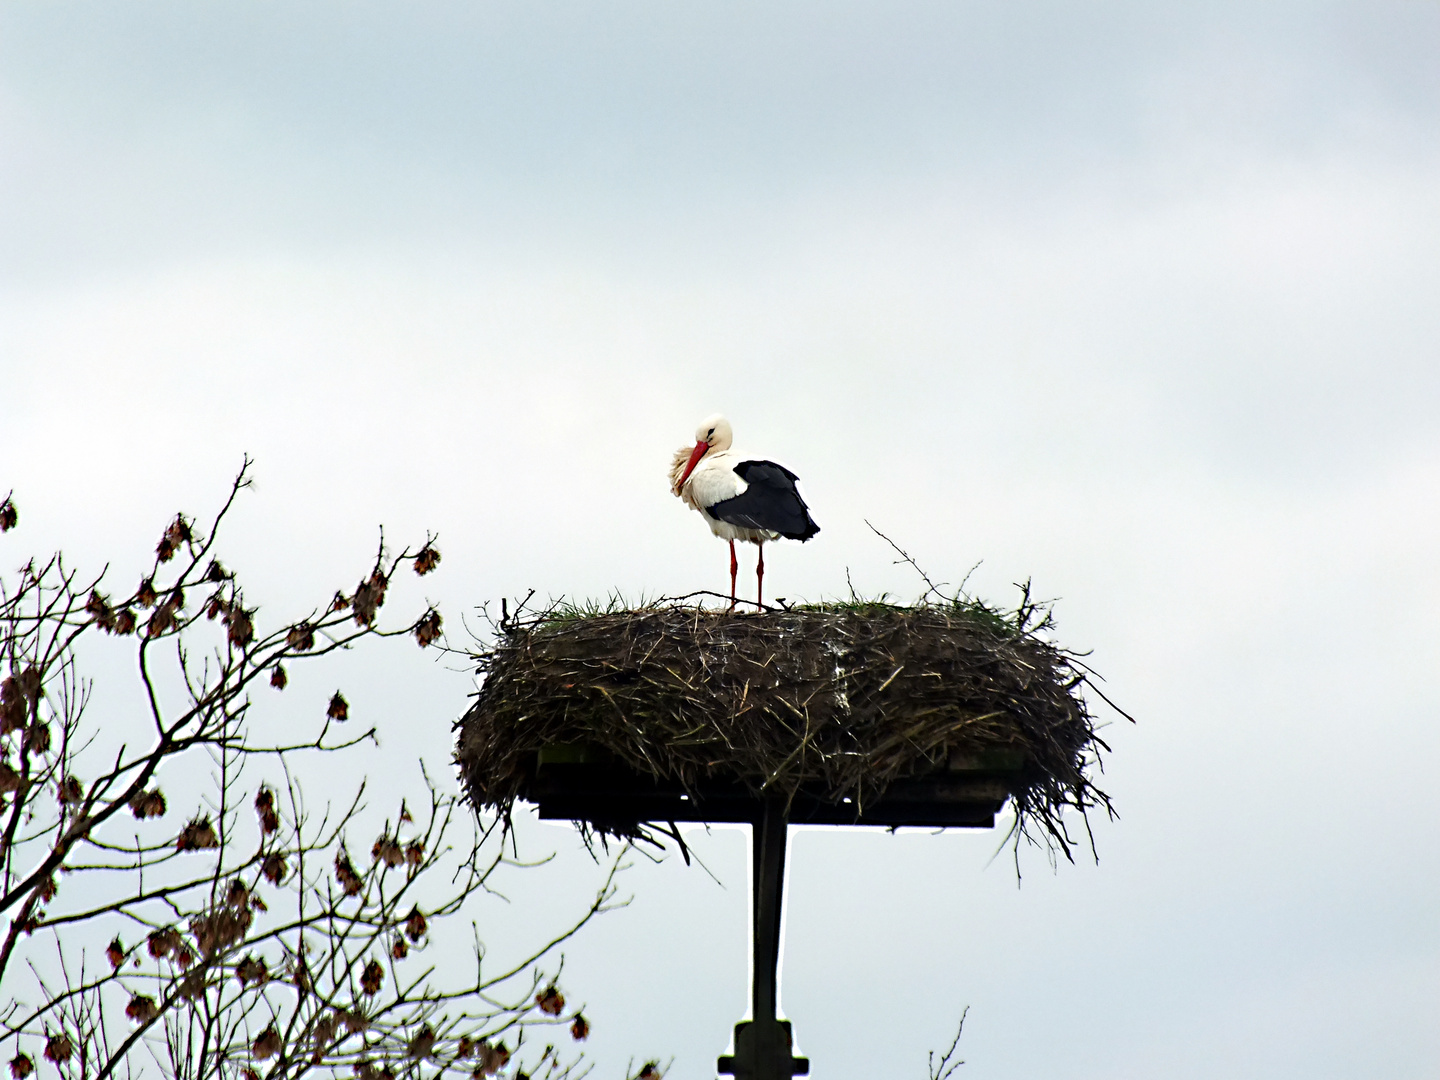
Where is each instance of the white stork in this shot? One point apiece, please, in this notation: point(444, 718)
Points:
point(739, 500)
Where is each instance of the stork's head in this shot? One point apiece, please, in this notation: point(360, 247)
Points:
point(712, 434)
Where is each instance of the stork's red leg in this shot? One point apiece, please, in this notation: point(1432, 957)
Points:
point(760, 578)
point(734, 568)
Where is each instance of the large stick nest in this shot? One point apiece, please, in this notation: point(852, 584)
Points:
point(841, 700)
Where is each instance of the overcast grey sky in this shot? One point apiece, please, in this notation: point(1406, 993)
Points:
point(1138, 300)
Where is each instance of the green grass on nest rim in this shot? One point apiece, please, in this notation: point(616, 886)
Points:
point(840, 699)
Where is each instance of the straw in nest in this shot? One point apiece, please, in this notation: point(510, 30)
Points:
point(838, 700)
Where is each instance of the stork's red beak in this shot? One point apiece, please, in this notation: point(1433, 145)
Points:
point(695, 456)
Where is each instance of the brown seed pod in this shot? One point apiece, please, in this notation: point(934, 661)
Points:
point(323, 1033)
point(274, 868)
point(252, 970)
point(372, 978)
point(422, 1043)
point(162, 943)
point(427, 630)
point(242, 629)
point(197, 836)
point(98, 606)
point(265, 811)
point(493, 1057)
point(58, 1048)
point(147, 804)
point(162, 620)
point(13, 710)
point(388, 850)
point(142, 1009)
point(193, 987)
point(426, 559)
point(350, 881)
point(37, 738)
point(267, 1045)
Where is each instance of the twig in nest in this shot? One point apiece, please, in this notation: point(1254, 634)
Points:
point(839, 700)
point(932, 589)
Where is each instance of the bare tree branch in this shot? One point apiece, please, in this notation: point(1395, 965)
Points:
point(228, 957)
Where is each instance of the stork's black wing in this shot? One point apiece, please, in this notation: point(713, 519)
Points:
point(770, 501)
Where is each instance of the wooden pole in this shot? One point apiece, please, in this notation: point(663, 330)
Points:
point(762, 1045)
point(767, 905)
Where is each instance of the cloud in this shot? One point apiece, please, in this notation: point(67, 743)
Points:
point(1139, 303)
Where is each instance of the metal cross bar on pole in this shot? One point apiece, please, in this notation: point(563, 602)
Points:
point(763, 1043)
point(568, 786)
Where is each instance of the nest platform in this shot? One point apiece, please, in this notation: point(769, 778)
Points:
point(856, 714)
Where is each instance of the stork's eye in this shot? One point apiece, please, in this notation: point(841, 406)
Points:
point(712, 434)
